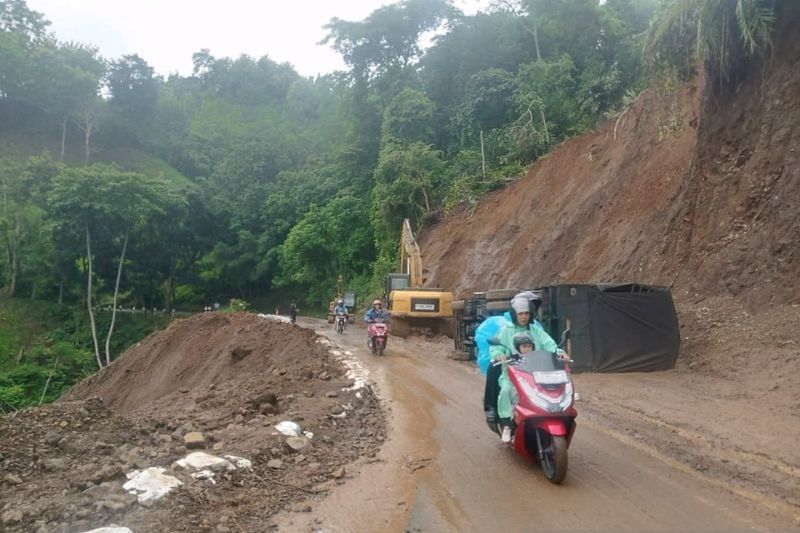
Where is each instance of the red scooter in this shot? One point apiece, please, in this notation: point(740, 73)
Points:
point(544, 413)
point(377, 333)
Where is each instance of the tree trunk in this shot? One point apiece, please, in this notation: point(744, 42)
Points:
point(536, 41)
point(87, 146)
point(116, 292)
point(89, 298)
point(12, 290)
point(47, 383)
point(63, 138)
point(61, 291)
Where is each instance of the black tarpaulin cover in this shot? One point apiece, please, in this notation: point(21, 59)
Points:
point(619, 328)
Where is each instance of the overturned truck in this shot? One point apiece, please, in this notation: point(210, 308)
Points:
point(613, 328)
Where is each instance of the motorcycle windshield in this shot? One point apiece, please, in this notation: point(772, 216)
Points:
point(539, 361)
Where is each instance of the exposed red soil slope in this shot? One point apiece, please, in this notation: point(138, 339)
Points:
point(695, 190)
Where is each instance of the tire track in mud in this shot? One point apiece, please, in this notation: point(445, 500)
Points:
point(700, 457)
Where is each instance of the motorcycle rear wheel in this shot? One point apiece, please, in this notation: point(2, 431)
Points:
point(554, 458)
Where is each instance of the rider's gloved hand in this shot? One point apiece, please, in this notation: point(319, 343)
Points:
point(562, 355)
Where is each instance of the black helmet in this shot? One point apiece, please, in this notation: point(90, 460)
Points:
point(523, 337)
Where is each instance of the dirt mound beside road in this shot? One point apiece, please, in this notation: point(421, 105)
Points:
point(230, 377)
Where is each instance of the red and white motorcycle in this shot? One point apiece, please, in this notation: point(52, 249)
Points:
point(543, 422)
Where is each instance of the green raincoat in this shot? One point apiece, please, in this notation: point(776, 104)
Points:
point(505, 400)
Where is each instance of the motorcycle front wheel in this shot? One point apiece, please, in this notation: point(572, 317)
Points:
point(554, 458)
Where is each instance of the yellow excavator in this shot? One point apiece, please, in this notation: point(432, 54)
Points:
point(411, 305)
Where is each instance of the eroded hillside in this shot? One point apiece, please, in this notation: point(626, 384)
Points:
point(695, 189)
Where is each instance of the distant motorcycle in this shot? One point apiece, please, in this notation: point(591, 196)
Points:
point(377, 333)
point(544, 411)
point(340, 323)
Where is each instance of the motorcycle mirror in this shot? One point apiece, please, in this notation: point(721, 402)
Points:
point(565, 335)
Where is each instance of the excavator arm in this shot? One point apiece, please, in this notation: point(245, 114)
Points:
point(410, 256)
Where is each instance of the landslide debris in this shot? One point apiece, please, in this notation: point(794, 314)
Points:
point(214, 383)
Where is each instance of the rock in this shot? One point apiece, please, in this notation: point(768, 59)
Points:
point(164, 439)
point(268, 409)
point(183, 390)
point(11, 517)
point(240, 353)
point(107, 473)
point(324, 376)
point(339, 473)
point(275, 463)
point(194, 440)
point(203, 397)
point(332, 394)
point(298, 444)
point(299, 459)
point(12, 479)
point(54, 463)
point(103, 447)
point(52, 438)
point(218, 446)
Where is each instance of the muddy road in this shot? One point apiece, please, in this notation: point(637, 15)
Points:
point(442, 470)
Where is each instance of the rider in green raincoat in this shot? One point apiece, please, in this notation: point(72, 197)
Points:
point(523, 309)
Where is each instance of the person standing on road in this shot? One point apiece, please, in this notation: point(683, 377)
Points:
point(293, 312)
point(522, 308)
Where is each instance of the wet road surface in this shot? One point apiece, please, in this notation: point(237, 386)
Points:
point(441, 469)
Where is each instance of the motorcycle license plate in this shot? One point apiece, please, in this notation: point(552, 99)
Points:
point(551, 378)
point(424, 307)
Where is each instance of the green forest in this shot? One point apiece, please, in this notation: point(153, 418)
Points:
point(248, 181)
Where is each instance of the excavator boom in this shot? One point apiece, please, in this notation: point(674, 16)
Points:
point(411, 304)
point(410, 256)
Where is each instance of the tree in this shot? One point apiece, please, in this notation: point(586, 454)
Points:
point(104, 202)
point(329, 240)
point(388, 39)
point(719, 32)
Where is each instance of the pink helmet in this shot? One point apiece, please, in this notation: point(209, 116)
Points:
point(377, 302)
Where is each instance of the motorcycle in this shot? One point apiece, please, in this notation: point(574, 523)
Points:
point(377, 333)
point(339, 323)
point(543, 422)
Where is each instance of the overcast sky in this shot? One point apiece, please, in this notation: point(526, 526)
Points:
point(167, 32)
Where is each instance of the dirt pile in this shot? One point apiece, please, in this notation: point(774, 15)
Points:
point(692, 189)
point(231, 378)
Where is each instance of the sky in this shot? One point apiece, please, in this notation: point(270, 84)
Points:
point(166, 33)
